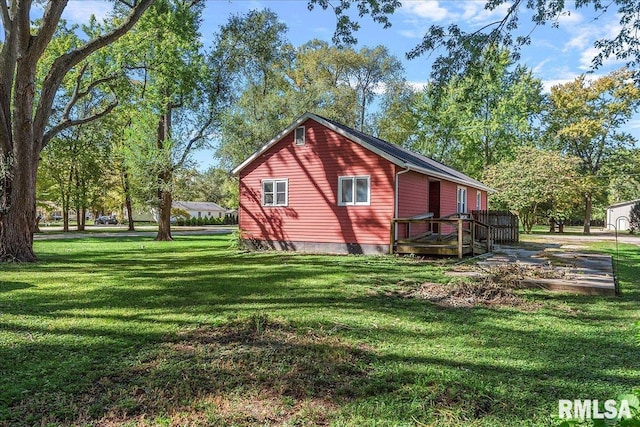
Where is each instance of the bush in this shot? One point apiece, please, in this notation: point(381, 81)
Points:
point(634, 218)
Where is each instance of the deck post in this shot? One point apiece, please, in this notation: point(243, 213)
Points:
point(473, 237)
point(460, 239)
point(392, 236)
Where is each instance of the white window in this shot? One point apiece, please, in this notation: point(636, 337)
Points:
point(462, 200)
point(299, 135)
point(275, 192)
point(353, 190)
point(478, 201)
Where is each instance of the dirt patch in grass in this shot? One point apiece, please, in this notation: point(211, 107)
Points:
point(492, 286)
point(256, 371)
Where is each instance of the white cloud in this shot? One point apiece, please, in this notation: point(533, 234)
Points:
point(81, 11)
point(570, 18)
point(426, 9)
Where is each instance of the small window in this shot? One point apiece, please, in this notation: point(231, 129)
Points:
point(353, 190)
point(299, 135)
point(478, 201)
point(461, 200)
point(275, 192)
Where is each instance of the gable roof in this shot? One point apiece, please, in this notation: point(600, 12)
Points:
point(391, 152)
point(197, 206)
point(617, 205)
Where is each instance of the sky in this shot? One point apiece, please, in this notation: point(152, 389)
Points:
point(555, 55)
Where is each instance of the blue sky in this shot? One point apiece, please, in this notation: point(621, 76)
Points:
point(556, 55)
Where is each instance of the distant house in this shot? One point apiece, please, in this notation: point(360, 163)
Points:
point(321, 186)
point(201, 209)
point(194, 209)
point(618, 215)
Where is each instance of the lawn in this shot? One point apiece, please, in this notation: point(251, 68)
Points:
point(129, 331)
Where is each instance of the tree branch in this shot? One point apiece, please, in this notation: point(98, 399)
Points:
point(6, 18)
point(66, 123)
point(65, 62)
point(76, 93)
point(196, 138)
point(50, 20)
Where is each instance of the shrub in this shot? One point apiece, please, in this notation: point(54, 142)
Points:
point(634, 218)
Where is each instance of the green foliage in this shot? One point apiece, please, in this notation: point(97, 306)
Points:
point(535, 182)
point(634, 218)
point(584, 120)
point(213, 185)
point(480, 118)
point(277, 82)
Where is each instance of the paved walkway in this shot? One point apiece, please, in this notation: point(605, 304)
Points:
point(574, 269)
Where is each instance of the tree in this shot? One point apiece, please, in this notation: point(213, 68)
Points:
point(25, 112)
point(477, 119)
point(634, 218)
point(464, 48)
point(178, 92)
point(76, 160)
point(535, 182)
point(584, 119)
point(213, 185)
point(369, 69)
point(622, 171)
point(278, 83)
point(396, 120)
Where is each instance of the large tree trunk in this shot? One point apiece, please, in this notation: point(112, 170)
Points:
point(22, 123)
point(18, 223)
point(587, 214)
point(164, 218)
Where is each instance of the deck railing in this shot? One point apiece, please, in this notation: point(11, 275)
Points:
point(440, 230)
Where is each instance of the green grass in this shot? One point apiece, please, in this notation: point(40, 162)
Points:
point(136, 332)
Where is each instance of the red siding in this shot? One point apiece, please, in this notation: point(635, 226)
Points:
point(413, 194)
point(448, 201)
point(313, 214)
point(473, 201)
point(413, 199)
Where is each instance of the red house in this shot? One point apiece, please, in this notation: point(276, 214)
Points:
point(320, 186)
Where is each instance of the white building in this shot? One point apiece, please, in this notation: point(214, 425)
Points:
point(194, 209)
point(618, 215)
point(200, 209)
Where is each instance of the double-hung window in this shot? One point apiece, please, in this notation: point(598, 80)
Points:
point(354, 190)
point(275, 192)
point(478, 200)
point(461, 200)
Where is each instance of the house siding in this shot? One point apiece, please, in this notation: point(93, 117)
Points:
point(312, 171)
point(448, 198)
point(413, 199)
point(413, 194)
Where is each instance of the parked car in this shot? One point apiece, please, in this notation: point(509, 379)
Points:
point(106, 219)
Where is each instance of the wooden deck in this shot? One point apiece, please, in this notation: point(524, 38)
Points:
point(450, 236)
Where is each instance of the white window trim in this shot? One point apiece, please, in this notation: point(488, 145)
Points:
point(353, 178)
point(465, 201)
point(478, 200)
point(304, 136)
point(275, 182)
